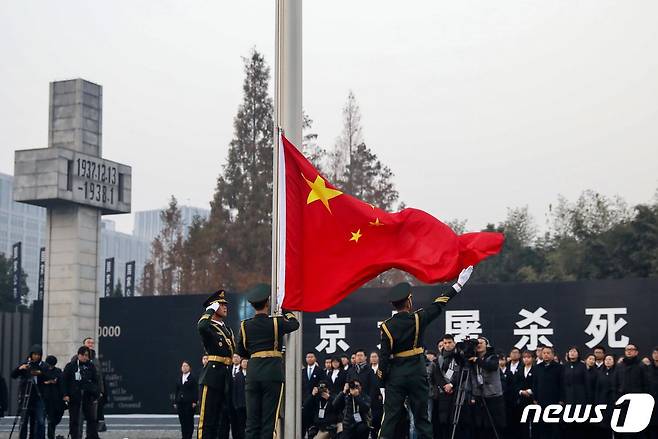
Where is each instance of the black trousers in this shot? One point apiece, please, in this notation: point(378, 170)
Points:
point(186, 419)
point(238, 422)
point(80, 410)
point(264, 399)
point(397, 390)
point(212, 405)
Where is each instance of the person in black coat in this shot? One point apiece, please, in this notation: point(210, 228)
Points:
point(319, 406)
point(238, 402)
point(574, 389)
point(4, 397)
point(377, 399)
point(337, 378)
point(186, 399)
point(363, 373)
point(547, 390)
point(510, 395)
point(355, 407)
point(81, 389)
point(524, 383)
point(652, 374)
point(32, 370)
point(53, 395)
point(604, 393)
point(312, 374)
point(631, 374)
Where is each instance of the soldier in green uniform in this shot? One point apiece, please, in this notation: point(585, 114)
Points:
point(402, 364)
point(219, 344)
point(261, 338)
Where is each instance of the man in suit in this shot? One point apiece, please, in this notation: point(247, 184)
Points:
point(187, 392)
point(377, 398)
point(219, 343)
point(311, 377)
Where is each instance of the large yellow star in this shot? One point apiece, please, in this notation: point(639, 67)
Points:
point(319, 191)
point(356, 236)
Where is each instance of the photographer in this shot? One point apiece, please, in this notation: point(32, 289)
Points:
point(32, 371)
point(320, 409)
point(355, 407)
point(487, 398)
point(81, 391)
point(53, 395)
point(446, 380)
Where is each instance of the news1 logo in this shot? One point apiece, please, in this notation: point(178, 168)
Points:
point(631, 414)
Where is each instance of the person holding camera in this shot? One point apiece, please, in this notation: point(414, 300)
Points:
point(446, 379)
point(81, 390)
point(320, 410)
point(487, 398)
point(355, 408)
point(53, 395)
point(31, 374)
point(403, 357)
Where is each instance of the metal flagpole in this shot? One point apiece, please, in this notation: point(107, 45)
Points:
point(288, 116)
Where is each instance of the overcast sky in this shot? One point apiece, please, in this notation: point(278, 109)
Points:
point(476, 105)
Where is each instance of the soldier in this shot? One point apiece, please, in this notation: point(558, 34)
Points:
point(403, 361)
point(219, 343)
point(260, 340)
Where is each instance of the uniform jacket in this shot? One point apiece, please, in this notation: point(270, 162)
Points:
point(403, 332)
point(265, 333)
point(218, 341)
point(188, 392)
point(574, 383)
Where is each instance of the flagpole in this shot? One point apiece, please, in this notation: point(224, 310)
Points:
point(287, 116)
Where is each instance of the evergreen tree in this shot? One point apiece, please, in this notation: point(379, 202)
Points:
point(166, 251)
point(241, 216)
point(7, 300)
point(118, 289)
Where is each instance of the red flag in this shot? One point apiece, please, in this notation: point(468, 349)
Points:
point(330, 243)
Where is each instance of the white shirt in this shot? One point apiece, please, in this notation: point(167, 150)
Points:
point(526, 371)
point(185, 376)
point(514, 366)
point(236, 369)
point(334, 375)
point(309, 371)
point(375, 368)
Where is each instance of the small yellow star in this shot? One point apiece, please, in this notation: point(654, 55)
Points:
point(319, 191)
point(356, 236)
point(376, 223)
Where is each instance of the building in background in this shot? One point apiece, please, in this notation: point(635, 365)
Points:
point(27, 224)
point(148, 223)
point(22, 223)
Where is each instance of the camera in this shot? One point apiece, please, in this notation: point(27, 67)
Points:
point(322, 388)
point(466, 349)
point(354, 384)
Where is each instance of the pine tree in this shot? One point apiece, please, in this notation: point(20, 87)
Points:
point(350, 137)
point(118, 289)
point(241, 216)
point(311, 148)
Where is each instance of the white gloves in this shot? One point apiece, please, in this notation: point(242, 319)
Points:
point(215, 306)
point(463, 278)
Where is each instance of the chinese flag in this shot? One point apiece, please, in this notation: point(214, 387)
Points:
point(330, 243)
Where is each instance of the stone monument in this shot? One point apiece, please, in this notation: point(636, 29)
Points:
point(76, 186)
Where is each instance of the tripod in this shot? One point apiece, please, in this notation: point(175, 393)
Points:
point(464, 376)
point(24, 406)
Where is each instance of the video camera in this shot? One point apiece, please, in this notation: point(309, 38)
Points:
point(465, 349)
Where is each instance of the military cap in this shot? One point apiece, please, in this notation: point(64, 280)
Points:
point(399, 292)
point(218, 296)
point(259, 293)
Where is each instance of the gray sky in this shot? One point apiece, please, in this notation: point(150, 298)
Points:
point(476, 105)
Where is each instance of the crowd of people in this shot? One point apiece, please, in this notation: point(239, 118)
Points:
point(343, 397)
point(46, 392)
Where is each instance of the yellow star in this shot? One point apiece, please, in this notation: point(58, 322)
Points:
point(356, 236)
point(319, 191)
point(376, 223)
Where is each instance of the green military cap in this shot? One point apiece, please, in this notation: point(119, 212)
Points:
point(259, 293)
point(218, 296)
point(399, 292)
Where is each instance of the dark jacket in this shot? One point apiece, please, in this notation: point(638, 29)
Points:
point(34, 370)
point(317, 375)
point(348, 406)
point(652, 375)
point(487, 367)
point(4, 397)
point(574, 383)
point(53, 392)
point(88, 382)
point(368, 380)
point(187, 393)
point(238, 391)
point(314, 404)
point(524, 382)
point(548, 380)
point(631, 377)
point(337, 386)
point(604, 387)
